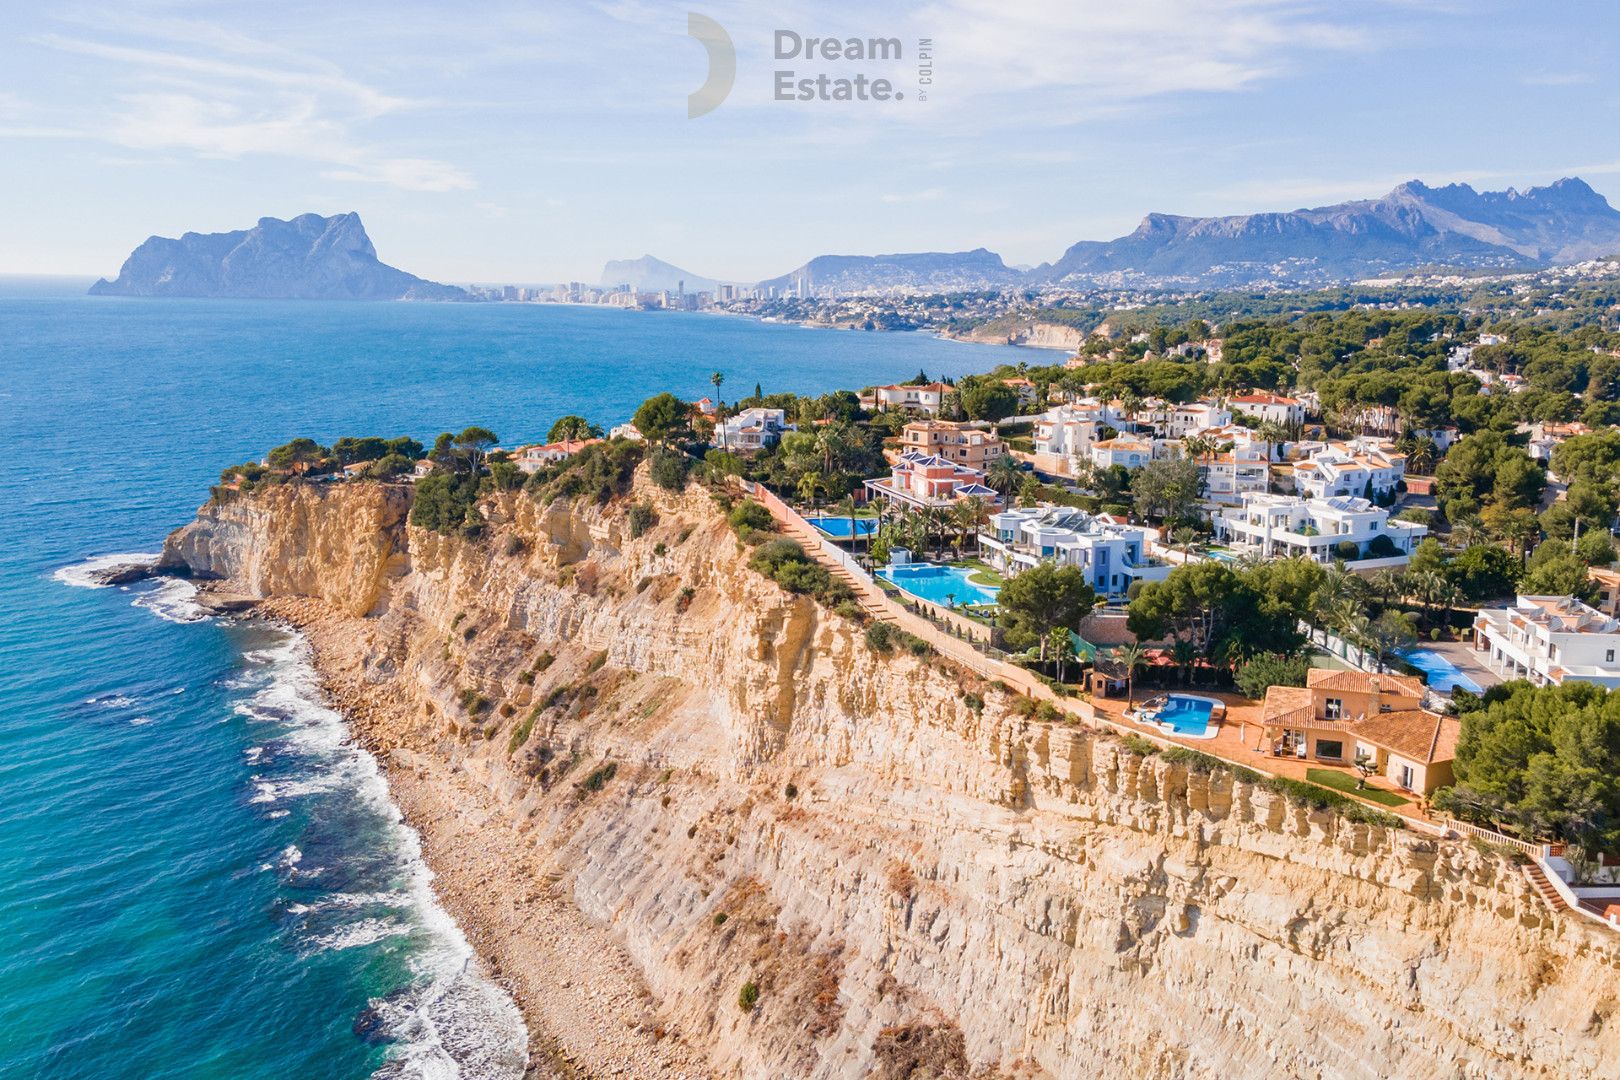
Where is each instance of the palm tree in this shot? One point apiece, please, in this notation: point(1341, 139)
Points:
point(1271, 433)
point(807, 487)
point(1061, 647)
point(1184, 538)
point(1469, 532)
point(846, 507)
point(972, 514)
point(1184, 653)
point(1387, 583)
point(1130, 657)
point(1004, 476)
point(718, 378)
point(831, 442)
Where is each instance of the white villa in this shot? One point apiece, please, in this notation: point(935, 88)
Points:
point(1272, 408)
point(925, 398)
point(1282, 526)
point(1066, 431)
point(1126, 451)
point(1347, 468)
point(1550, 639)
point(752, 429)
point(1112, 554)
point(1180, 421)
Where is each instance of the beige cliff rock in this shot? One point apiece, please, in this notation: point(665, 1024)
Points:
point(733, 789)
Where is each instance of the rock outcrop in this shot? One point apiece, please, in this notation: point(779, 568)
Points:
point(897, 874)
point(308, 258)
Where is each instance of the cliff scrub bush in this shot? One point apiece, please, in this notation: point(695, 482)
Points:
point(640, 518)
point(472, 702)
point(598, 473)
point(1138, 746)
point(749, 517)
point(668, 469)
point(520, 734)
point(596, 663)
point(597, 778)
point(880, 637)
point(748, 996)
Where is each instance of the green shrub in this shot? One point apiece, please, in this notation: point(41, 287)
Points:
point(668, 469)
point(1048, 712)
point(1138, 746)
point(791, 791)
point(598, 777)
point(472, 702)
point(748, 996)
point(1348, 550)
point(520, 734)
point(974, 702)
point(720, 918)
point(880, 637)
point(640, 518)
point(543, 661)
point(750, 515)
point(596, 663)
point(851, 610)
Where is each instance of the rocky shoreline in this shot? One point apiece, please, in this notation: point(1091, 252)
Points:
point(588, 1011)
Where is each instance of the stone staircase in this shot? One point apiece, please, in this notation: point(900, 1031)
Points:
point(1538, 879)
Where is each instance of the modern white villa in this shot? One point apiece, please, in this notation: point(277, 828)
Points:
point(1282, 526)
point(1111, 553)
point(1066, 431)
point(752, 429)
point(1550, 640)
point(1347, 468)
point(1126, 451)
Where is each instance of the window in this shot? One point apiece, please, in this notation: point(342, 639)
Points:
point(1333, 708)
point(1608, 657)
point(1405, 777)
point(1330, 748)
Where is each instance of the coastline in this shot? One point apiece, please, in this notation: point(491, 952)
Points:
point(587, 1009)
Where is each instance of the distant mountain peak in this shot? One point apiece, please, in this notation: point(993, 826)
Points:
point(1413, 225)
point(308, 257)
point(652, 274)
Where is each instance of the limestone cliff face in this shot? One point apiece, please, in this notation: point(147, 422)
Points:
point(1033, 333)
point(903, 874)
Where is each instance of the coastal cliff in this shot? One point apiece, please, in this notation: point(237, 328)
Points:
point(787, 855)
point(1030, 333)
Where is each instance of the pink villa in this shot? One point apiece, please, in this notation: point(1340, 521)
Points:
point(928, 480)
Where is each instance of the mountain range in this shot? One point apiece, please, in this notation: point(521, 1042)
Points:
point(1414, 225)
point(308, 258)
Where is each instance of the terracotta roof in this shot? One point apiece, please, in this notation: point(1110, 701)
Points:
point(1364, 682)
point(1282, 701)
point(1412, 733)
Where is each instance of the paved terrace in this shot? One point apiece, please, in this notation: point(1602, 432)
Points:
point(1235, 738)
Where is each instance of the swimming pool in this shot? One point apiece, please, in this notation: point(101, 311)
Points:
point(1223, 554)
point(839, 527)
point(1182, 714)
point(948, 585)
point(1441, 674)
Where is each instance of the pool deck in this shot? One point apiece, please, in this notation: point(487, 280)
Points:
point(1235, 740)
point(1463, 656)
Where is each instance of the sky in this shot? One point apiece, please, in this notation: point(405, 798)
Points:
point(530, 142)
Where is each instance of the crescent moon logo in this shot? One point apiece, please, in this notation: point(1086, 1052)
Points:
point(722, 65)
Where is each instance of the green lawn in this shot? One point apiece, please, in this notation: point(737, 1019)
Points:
point(984, 575)
point(1339, 781)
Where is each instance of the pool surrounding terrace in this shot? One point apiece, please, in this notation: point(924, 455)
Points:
point(1188, 715)
point(1441, 674)
point(841, 528)
point(950, 586)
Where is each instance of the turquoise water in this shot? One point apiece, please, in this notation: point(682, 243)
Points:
point(199, 876)
point(948, 585)
point(1438, 672)
point(1186, 715)
point(842, 529)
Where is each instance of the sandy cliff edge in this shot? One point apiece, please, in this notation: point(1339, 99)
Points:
point(597, 734)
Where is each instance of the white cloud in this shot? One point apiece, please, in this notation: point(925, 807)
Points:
point(219, 94)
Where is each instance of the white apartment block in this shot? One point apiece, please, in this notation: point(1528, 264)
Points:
point(1347, 468)
point(1110, 553)
point(1067, 431)
point(1550, 640)
point(1284, 526)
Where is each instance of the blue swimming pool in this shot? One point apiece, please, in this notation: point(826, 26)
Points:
point(839, 527)
point(1184, 715)
point(948, 585)
point(1441, 674)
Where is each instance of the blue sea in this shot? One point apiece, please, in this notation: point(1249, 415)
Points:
point(200, 876)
